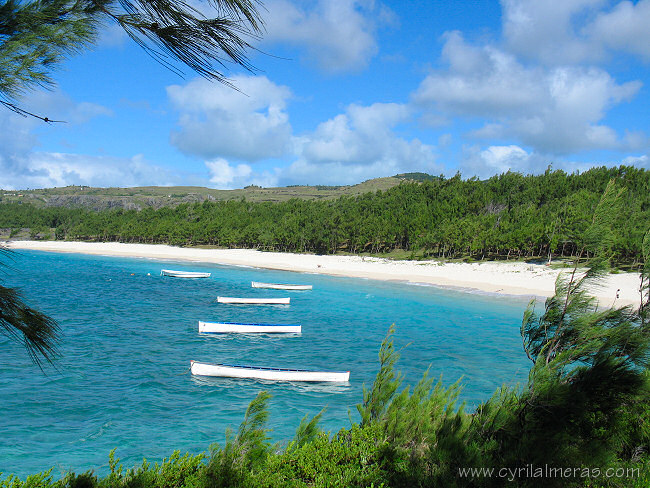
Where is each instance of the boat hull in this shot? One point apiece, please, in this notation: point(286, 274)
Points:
point(230, 327)
point(280, 286)
point(184, 274)
point(232, 371)
point(255, 301)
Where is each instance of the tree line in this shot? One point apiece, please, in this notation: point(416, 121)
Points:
point(582, 418)
point(506, 216)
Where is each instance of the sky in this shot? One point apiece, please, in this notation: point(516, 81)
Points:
point(347, 90)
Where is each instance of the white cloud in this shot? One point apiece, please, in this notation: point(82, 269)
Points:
point(624, 28)
point(55, 105)
point(554, 110)
point(480, 81)
point(356, 145)
point(22, 167)
point(111, 34)
point(338, 35)
point(303, 172)
point(46, 170)
point(445, 140)
point(217, 121)
point(499, 159)
point(222, 126)
point(486, 162)
point(643, 161)
point(225, 176)
point(558, 32)
point(546, 30)
point(361, 135)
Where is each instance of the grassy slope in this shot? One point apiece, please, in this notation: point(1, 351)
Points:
point(158, 196)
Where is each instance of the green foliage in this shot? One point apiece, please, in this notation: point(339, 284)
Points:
point(644, 289)
point(175, 472)
point(41, 480)
point(307, 431)
point(376, 400)
point(18, 321)
point(36, 36)
point(352, 458)
point(506, 216)
point(585, 406)
point(589, 377)
point(236, 462)
point(417, 176)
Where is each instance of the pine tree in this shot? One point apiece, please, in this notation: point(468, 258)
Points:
point(36, 36)
point(38, 332)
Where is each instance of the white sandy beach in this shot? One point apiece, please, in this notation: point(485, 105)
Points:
point(515, 278)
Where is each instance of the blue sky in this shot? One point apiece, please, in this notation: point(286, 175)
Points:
point(351, 90)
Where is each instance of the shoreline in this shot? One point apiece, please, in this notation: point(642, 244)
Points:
point(515, 278)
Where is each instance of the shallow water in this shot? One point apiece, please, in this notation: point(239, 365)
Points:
point(128, 335)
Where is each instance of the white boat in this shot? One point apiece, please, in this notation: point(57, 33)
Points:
point(184, 274)
point(228, 327)
point(254, 301)
point(280, 286)
point(276, 374)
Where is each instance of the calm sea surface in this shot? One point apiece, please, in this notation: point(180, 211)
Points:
point(128, 336)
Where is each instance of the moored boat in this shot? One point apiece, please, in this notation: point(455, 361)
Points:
point(275, 374)
point(234, 327)
point(280, 286)
point(254, 301)
point(184, 274)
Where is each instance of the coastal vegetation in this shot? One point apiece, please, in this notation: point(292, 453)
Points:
point(36, 37)
point(581, 419)
point(20, 322)
point(504, 217)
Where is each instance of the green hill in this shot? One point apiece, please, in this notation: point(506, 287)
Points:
point(137, 198)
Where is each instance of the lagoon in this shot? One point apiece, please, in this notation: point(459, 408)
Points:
point(128, 335)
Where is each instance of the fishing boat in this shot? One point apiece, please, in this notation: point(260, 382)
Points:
point(254, 301)
point(234, 327)
point(184, 274)
point(276, 374)
point(280, 286)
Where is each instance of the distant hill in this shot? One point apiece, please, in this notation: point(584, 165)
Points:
point(137, 198)
point(418, 177)
point(506, 216)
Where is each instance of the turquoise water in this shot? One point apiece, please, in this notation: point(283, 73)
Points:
point(128, 335)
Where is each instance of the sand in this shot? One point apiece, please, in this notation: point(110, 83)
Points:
point(508, 278)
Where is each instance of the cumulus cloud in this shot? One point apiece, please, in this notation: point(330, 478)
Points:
point(339, 36)
point(555, 110)
point(547, 31)
point(22, 167)
point(359, 144)
point(225, 176)
point(361, 135)
point(56, 105)
point(46, 170)
point(558, 32)
point(624, 28)
point(480, 81)
point(222, 126)
point(304, 172)
point(486, 162)
point(216, 121)
point(643, 161)
point(498, 159)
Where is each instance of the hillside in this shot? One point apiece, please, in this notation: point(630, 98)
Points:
point(137, 198)
point(508, 215)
